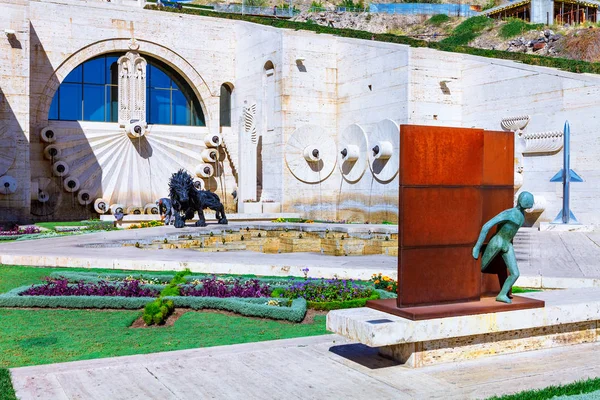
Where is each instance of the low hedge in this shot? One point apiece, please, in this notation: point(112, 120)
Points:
point(552, 62)
point(254, 307)
point(13, 299)
point(337, 305)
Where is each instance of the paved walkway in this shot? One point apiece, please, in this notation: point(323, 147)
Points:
point(545, 256)
point(104, 250)
point(323, 367)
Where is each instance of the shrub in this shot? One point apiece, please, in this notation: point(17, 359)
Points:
point(438, 19)
point(97, 225)
point(337, 305)
point(157, 311)
point(180, 276)
point(515, 27)
point(468, 30)
point(170, 290)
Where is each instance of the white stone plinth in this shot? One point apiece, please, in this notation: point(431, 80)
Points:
point(570, 317)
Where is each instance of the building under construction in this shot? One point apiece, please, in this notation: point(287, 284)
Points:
point(548, 11)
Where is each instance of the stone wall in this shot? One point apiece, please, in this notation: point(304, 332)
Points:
point(15, 55)
point(291, 89)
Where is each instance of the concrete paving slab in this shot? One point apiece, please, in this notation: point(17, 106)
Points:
point(104, 250)
point(322, 367)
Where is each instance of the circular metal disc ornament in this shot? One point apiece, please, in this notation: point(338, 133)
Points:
point(310, 154)
point(352, 153)
point(384, 139)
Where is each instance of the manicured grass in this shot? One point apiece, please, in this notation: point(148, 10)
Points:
point(517, 290)
point(41, 336)
point(6, 389)
point(579, 387)
point(32, 337)
point(15, 276)
point(52, 225)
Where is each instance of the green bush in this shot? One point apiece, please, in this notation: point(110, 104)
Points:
point(179, 277)
point(468, 30)
point(157, 311)
point(438, 19)
point(337, 305)
point(515, 27)
point(170, 290)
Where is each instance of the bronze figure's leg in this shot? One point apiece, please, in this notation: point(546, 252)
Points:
point(490, 252)
point(511, 263)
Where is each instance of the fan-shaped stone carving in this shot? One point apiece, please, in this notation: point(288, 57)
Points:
point(352, 153)
point(384, 150)
point(543, 142)
point(8, 149)
point(514, 124)
point(310, 154)
point(120, 170)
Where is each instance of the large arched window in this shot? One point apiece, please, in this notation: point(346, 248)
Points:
point(90, 93)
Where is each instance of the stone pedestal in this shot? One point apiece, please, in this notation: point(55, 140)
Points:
point(569, 317)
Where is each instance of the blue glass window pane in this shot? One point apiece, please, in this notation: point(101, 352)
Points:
point(74, 76)
point(158, 79)
point(160, 106)
point(112, 104)
point(93, 102)
point(94, 71)
point(69, 102)
point(181, 109)
point(112, 70)
point(53, 113)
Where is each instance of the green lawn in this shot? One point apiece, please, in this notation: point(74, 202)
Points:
point(52, 225)
point(42, 336)
point(6, 390)
point(571, 389)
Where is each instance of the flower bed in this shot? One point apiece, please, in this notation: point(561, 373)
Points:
point(62, 287)
point(278, 298)
point(213, 287)
point(329, 294)
point(254, 307)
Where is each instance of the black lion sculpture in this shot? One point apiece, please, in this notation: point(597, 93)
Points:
point(187, 200)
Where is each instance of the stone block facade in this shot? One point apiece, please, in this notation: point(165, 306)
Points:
point(283, 83)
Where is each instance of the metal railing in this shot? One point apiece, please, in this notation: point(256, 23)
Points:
point(267, 11)
point(459, 10)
